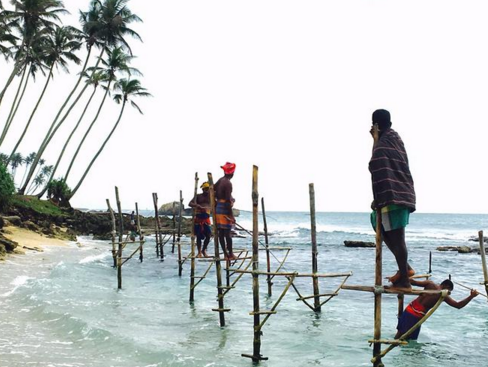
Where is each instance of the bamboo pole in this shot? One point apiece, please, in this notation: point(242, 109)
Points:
point(141, 236)
point(377, 295)
point(313, 226)
point(483, 260)
point(156, 227)
point(430, 262)
point(466, 287)
point(114, 231)
point(174, 228)
point(268, 260)
point(255, 267)
point(180, 262)
point(218, 267)
point(121, 238)
point(192, 264)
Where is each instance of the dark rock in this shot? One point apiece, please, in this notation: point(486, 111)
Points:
point(31, 226)
point(14, 220)
point(8, 244)
point(459, 249)
point(359, 244)
point(476, 239)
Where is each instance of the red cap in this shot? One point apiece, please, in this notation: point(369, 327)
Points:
point(229, 168)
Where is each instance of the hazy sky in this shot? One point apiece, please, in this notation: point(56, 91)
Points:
point(289, 86)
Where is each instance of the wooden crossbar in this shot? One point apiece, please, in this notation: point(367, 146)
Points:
point(391, 342)
point(221, 309)
point(318, 295)
point(298, 275)
point(362, 288)
point(263, 313)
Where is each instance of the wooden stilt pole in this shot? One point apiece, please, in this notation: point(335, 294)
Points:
point(192, 254)
point(377, 295)
point(268, 260)
point(180, 262)
point(114, 231)
point(430, 262)
point(159, 245)
point(121, 238)
point(315, 280)
point(141, 236)
point(401, 302)
point(483, 260)
point(174, 228)
point(255, 267)
point(218, 267)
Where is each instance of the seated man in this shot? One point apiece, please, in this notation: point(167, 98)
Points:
point(417, 309)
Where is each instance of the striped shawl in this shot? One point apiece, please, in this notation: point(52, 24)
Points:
point(392, 181)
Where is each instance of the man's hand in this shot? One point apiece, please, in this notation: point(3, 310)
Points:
point(375, 132)
point(474, 293)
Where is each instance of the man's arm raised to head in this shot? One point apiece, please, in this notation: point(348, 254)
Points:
point(423, 283)
point(451, 302)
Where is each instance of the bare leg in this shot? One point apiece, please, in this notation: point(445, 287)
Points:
point(199, 247)
point(395, 240)
point(205, 245)
point(222, 242)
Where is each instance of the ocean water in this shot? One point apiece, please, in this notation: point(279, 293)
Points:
point(61, 308)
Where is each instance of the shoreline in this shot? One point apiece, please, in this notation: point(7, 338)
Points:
point(29, 240)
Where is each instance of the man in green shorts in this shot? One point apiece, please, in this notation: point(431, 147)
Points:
point(393, 192)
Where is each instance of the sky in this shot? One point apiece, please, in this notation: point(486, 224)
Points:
point(288, 86)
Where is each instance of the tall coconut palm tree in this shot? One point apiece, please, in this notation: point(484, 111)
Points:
point(16, 161)
point(7, 38)
point(111, 27)
point(27, 161)
point(59, 48)
point(127, 90)
point(39, 168)
point(34, 62)
point(41, 177)
point(117, 61)
point(95, 80)
point(29, 17)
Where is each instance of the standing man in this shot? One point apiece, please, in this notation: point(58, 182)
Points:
point(202, 229)
point(417, 309)
point(393, 192)
point(223, 210)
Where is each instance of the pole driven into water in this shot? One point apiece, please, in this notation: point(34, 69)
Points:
point(313, 225)
point(141, 237)
point(121, 239)
point(218, 266)
point(192, 255)
point(483, 260)
point(180, 261)
point(114, 231)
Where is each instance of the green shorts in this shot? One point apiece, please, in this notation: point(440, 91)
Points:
point(392, 217)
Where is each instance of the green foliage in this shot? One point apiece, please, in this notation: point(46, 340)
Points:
point(7, 187)
point(59, 192)
point(39, 206)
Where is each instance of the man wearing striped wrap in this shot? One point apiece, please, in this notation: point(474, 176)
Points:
point(393, 192)
point(223, 210)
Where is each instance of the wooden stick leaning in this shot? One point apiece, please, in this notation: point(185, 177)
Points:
point(313, 231)
point(466, 287)
point(159, 247)
point(180, 262)
point(141, 236)
point(268, 260)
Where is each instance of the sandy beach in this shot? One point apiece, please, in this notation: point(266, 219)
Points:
point(29, 240)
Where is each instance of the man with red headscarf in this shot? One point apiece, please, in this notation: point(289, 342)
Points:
point(223, 210)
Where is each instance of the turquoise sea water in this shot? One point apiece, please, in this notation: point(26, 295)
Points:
point(62, 307)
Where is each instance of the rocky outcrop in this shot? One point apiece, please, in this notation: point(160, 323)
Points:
point(461, 249)
point(359, 244)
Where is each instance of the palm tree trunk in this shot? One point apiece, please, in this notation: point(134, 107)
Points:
point(9, 81)
point(66, 144)
point(13, 108)
point(25, 173)
point(49, 77)
point(87, 132)
point(99, 151)
point(52, 131)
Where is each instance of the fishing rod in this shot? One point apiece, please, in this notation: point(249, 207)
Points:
point(464, 286)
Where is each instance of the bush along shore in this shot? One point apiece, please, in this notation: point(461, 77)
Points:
point(49, 220)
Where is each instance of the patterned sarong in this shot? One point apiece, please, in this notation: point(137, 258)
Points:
point(202, 225)
point(223, 215)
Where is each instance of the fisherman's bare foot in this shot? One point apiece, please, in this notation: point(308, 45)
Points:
point(403, 285)
point(205, 254)
point(232, 257)
point(199, 255)
point(395, 278)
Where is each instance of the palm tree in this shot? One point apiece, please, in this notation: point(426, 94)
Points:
point(16, 161)
point(6, 35)
point(3, 159)
point(41, 177)
point(29, 17)
point(58, 49)
point(41, 163)
point(28, 161)
point(33, 63)
point(128, 89)
point(116, 61)
point(95, 80)
point(107, 22)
